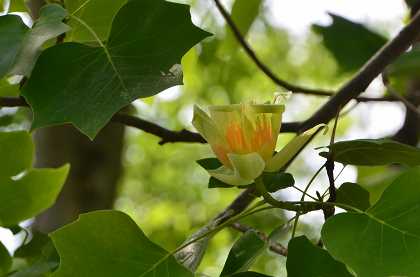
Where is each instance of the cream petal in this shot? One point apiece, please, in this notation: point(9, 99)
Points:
point(245, 168)
point(290, 150)
point(206, 126)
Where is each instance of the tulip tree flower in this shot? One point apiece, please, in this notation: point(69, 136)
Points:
point(244, 137)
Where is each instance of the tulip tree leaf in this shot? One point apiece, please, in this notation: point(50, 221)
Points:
point(412, 3)
point(108, 244)
point(353, 195)
point(407, 65)
point(140, 59)
point(24, 192)
point(98, 14)
point(351, 43)
point(374, 152)
point(5, 260)
point(209, 163)
point(244, 13)
point(304, 259)
point(243, 253)
point(12, 34)
point(48, 26)
point(17, 6)
point(384, 240)
point(16, 151)
point(8, 89)
point(40, 255)
point(274, 181)
point(215, 183)
point(22, 45)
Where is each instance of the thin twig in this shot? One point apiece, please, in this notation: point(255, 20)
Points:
point(329, 167)
point(273, 246)
point(250, 52)
point(295, 223)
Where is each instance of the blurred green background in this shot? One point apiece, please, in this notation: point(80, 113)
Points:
point(165, 191)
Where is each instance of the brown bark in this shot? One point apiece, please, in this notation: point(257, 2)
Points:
point(95, 171)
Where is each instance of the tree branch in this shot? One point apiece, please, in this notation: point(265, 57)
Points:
point(273, 246)
point(166, 135)
point(13, 102)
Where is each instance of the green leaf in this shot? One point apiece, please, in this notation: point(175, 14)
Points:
point(244, 13)
point(351, 43)
point(209, 163)
point(384, 240)
point(40, 255)
point(33, 249)
point(48, 26)
point(243, 253)
point(12, 34)
point(215, 183)
point(24, 192)
point(304, 259)
point(141, 58)
point(109, 244)
point(8, 89)
point(275, 181)
point(22, 45)
point(28, 195)
point(16, 151)
point(374, 152)
point(353, 195)
point(5, 260)
point(406, 66)
point(18, 6)
point(412, 3)
point(98, 14)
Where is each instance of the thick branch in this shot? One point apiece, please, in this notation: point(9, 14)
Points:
point(12, 102)
point(166, 135)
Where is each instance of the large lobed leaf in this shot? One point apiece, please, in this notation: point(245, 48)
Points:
point(353, 195)
point(41, 258)
point(89, 12)
point(20, 46)
point(351, 43)
point(5, 260)
point(384, 240)
point(12, 33)
point(244, 13)
point(243, 253)
point(24, 192)
point(374, 152)
point(304, 259)
point(85, 85)
point(109, 244)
